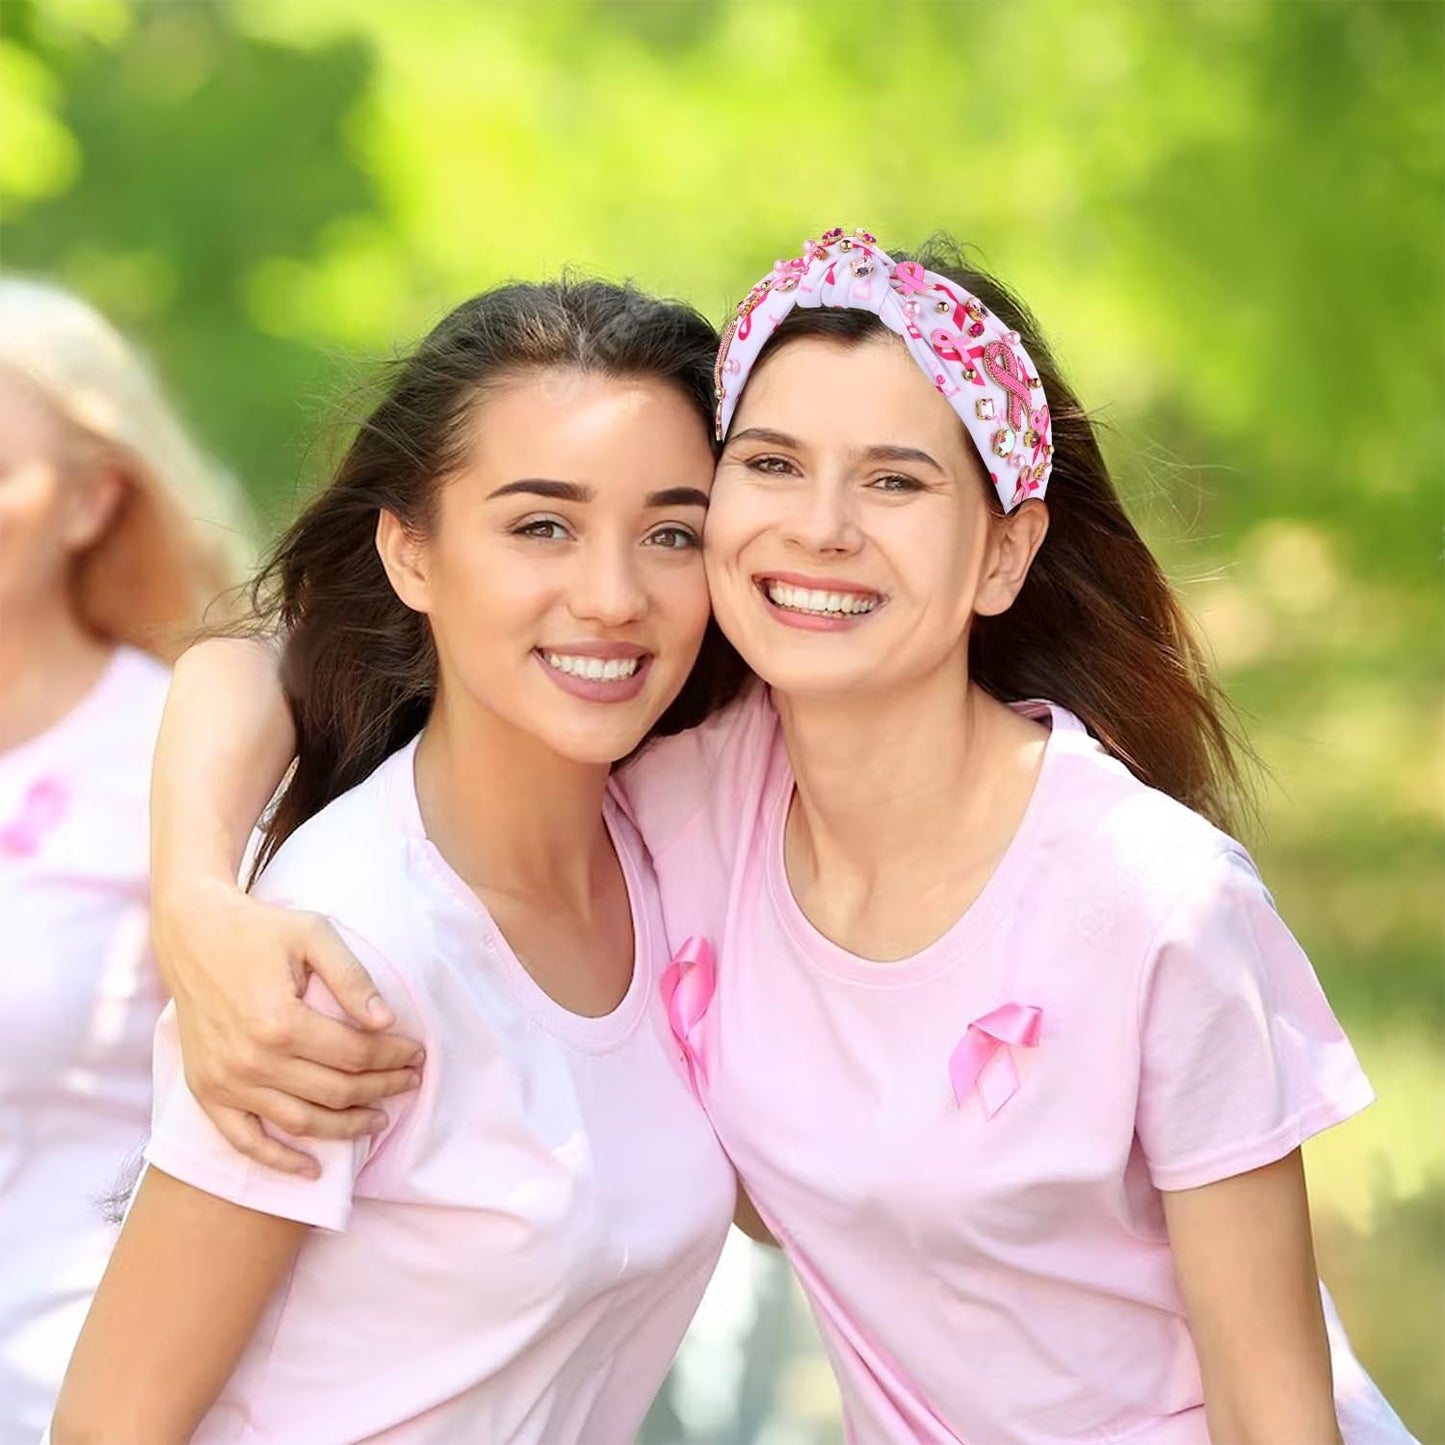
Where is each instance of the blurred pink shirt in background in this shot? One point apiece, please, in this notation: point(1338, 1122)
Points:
point(79, 996)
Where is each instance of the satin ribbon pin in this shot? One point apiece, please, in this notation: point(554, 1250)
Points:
point(687, 989)
point(984, 1059)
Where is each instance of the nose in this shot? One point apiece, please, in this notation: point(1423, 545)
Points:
point(822, 521)
point(608, 588)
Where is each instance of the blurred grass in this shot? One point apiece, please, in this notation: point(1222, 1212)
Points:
point(1230, 215)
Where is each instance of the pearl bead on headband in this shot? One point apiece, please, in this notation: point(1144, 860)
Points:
point(974, 360)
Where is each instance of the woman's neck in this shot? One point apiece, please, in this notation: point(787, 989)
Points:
point(48, 663)
point(508, 813)
point(905, 803)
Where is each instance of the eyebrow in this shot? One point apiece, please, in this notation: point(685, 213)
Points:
point(899, 454)
point(880, 453)
point(763, 434)
point(677, 497)
point(576, 492)
point(543, 487)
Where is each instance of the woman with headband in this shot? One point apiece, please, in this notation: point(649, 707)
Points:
point(1003, 1035)
point(114, 536)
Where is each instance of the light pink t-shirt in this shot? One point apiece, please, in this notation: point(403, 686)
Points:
point(515, 1259)
point(963, 1151)
point(79, 996)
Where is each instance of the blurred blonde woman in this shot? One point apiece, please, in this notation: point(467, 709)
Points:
point(115, 536)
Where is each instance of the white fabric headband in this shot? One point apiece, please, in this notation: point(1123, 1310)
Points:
point(976, 362)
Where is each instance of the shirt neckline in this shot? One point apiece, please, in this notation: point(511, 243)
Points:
point(961, 937)
point(591, 1034)
point(90, 704)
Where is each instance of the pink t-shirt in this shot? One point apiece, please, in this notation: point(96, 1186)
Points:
point(79, 996)
point(515, 1259)
point(962, 1151)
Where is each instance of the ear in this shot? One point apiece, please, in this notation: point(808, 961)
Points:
point(407, 559)
point(93, 497)
point(1015, 541)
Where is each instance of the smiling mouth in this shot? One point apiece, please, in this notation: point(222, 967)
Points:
point(593, 669)
point(818, 602)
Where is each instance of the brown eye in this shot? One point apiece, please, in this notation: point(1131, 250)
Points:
point(771, 466)
point(674, 539)
point(542, 529)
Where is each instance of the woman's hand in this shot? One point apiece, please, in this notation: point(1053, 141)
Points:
point(252, 1049)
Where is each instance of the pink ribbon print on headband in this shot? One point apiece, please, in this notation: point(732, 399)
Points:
point(984, 1058)
point(975, 361)
point(687, 989)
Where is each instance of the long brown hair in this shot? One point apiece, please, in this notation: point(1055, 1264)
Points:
point(1096, 626)
point(359, 666)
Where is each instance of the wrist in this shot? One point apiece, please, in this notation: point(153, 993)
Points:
point(185, 907)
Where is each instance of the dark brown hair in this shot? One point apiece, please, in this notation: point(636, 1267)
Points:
point(359, 666)
point(1096, 626)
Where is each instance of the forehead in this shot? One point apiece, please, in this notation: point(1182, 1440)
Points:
point(564, 418)
point(868, 394)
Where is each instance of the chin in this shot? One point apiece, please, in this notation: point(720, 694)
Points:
point(814, 682)
point(597, 745)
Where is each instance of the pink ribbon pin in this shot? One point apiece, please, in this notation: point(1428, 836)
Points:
point(687, 989)
point(983, 1059)
point(911, 279)
point(45, 803)
point(1004, 370)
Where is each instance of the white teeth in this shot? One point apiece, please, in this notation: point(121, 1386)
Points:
point(594, 669)
point(805, 599)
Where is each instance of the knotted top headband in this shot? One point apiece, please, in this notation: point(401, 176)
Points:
point(973, 359)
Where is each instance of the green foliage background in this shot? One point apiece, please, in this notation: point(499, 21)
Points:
point(1231, 216)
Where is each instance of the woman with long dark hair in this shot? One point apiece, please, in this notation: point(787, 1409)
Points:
point(499, 594)
point(997, 1020)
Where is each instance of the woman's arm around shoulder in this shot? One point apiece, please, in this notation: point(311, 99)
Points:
point(238, 968)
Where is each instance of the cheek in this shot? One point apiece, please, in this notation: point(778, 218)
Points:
point(32, 524)
point(937, 553)
point(681, 601)
point(733, 520)
point(483, 596)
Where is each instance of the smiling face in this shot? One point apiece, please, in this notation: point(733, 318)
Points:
point(562, 575)
point(851, 540)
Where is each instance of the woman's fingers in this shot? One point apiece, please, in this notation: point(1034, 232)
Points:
point(324, 1040)
point(346, 1094)
point(350, 984)
point(305, 1121)
point(243, 1132)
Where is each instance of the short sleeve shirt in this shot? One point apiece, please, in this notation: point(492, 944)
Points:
point(963, 1151)
point(516, 1258)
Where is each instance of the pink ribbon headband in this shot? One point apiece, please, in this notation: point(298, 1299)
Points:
point(975, 361)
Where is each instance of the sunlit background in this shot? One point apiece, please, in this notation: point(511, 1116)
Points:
point(1230, 217)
